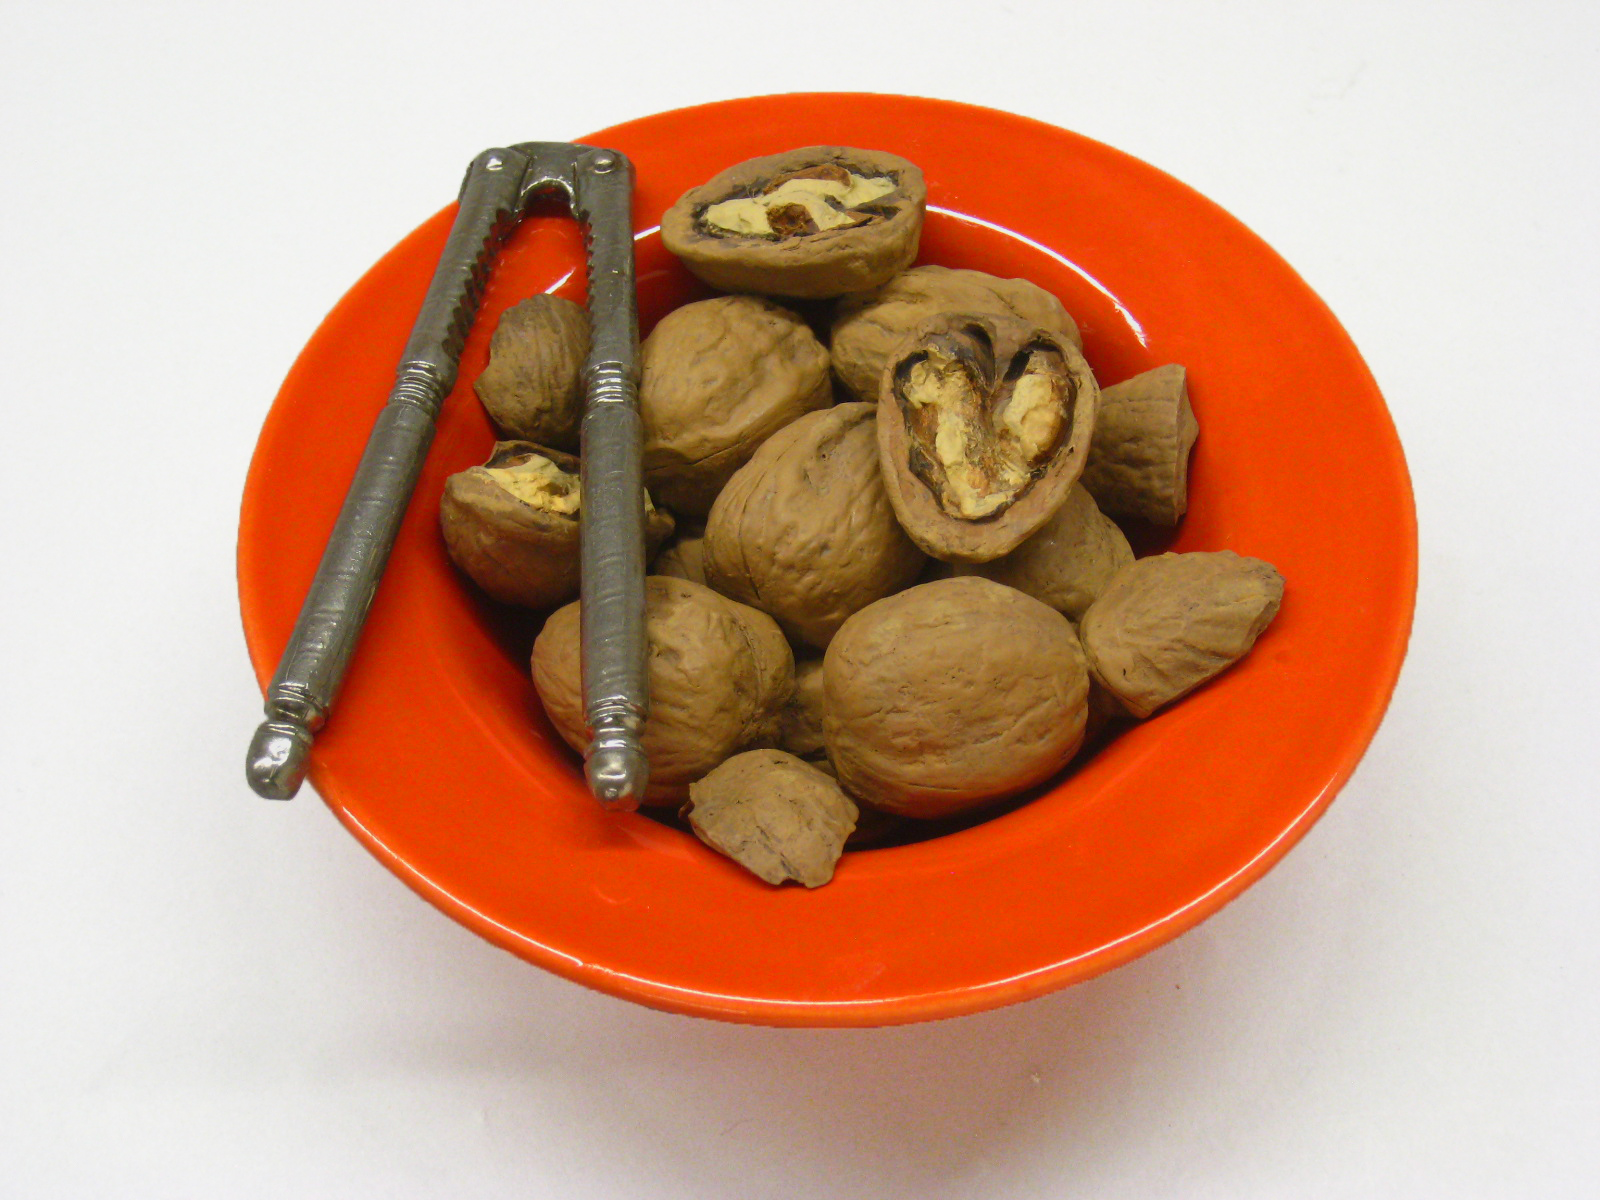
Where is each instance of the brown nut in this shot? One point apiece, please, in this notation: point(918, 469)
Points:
point(805, 532)
point(719, 377)
point(684, 556)
point(1139, 461)
point(512, 524)
point(720, 673)
point(774, 815)
point(868, 328)
point(1168, 623)
point(800, 724)
point(983, 427)
point(533, 385)
point(951, 695)
point(1068, 562)
point(812, 223)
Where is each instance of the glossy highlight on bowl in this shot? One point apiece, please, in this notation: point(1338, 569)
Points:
point(439, 760)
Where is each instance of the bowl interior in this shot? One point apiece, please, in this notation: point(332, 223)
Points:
point(439, 758)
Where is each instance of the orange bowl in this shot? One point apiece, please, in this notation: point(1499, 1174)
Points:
point(438, 758)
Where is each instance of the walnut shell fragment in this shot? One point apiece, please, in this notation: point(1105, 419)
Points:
point(720, 674)
point(719, 377)
point(983, 427)
point(814, 223)
point(868, 328)
point(951, 695)
point(778, 817)
point(1068, 562)
point(512, 524)
point(804, 531)
point(1168, 623)
point(1139, 462)
point(532, 388)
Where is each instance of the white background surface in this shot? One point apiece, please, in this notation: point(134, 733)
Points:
point(206, 995)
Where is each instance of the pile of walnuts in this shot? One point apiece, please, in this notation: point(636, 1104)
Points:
point(887, 581)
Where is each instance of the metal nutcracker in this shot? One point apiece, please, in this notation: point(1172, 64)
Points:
point(598, 184)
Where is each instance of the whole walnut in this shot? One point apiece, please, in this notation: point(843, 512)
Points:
point(983, 427)
point(1166, 624)
point(720, 674)
point(1068, 562)
point(800, 726)
point(812, 223)
point(533, 385)
point(718, 378)
point(512, 524)
point(951, 695)
point(778, 817)
point(868, 327)
point(1139, 461)
point(804, 531)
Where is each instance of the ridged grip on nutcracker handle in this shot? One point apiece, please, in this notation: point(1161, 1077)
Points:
point(615, 682)
point(335, 608)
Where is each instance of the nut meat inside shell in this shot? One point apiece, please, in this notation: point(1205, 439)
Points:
point(983, 427)
point(813, 223)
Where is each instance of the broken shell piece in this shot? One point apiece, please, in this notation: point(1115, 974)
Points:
point(532, 388)
point(1166, 624)
point(512, 524)
point(813, 223)
point(1068, 563)
point(1139, 462)
point(983, 427)
point(778, 817)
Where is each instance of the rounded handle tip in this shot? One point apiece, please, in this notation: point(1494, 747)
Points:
point(618, 771)
point(276, 764)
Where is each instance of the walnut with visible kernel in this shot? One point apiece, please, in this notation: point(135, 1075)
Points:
point(813, 223)
point(983, 427)
point(512, 524)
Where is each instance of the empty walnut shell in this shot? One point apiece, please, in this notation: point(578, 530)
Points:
point(868, 328)
point(720, 674)
point(813, 223)
point(1068, 562)
point(512, 524)
point(718, 378)
point(983, 427)
point(1139, 462)
point(533, 385)
point(805, 532)
point(951, 695)
point(778, 817)
point(1168, 623)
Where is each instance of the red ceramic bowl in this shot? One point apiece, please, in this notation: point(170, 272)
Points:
point(437, 755)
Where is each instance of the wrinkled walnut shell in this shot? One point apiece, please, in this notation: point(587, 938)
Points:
point(800, 726)
point(868, 328)
point(812, 265)
point(1068, 562)
point(684, 556)
point(532, 388)
point(805, 532)
point(777, 817)
point(720, 674)
point(718, 378)
point(517, 550)
point(983, 427)
point(1168, 623)
point(1139, 462)
point(951, 695)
